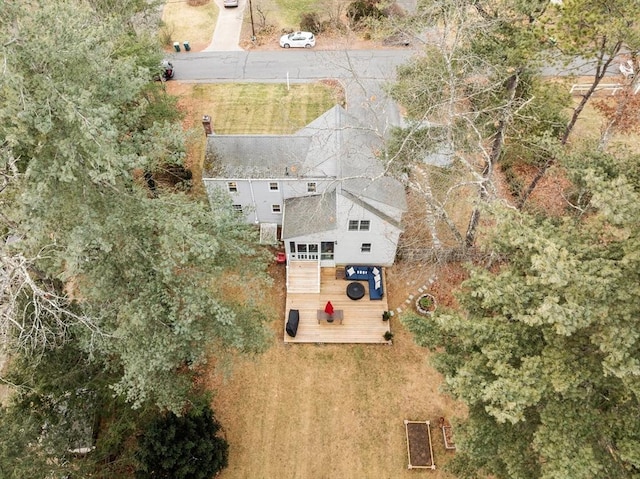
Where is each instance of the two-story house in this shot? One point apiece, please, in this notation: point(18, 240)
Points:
point(324, 186)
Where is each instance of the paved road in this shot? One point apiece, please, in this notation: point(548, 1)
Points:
point(578, 67)
point(297, 65)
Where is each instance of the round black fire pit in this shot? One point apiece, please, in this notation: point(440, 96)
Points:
point(355, 290)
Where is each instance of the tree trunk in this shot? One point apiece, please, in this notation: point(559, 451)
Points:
point(496, 150)
point(625, 104)
point(601, 70)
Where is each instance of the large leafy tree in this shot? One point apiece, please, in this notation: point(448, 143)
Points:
point(545, 350)
point(56, 411)
point(104, 290)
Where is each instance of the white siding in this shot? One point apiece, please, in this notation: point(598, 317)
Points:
point(382, 236)
point(257, 198)
point(241, 197)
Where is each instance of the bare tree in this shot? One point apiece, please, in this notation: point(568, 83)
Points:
point(612, 28)
point(34, 313)
point(463, 106)
point(623, 116)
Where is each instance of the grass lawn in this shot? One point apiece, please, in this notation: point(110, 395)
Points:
point(253, 108)
point(328, 411)
point(183, 22)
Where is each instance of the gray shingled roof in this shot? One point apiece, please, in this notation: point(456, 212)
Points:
point(255, 156)
point(334, 145)
point(337, 137)
point(384, 189)
point(309, 214)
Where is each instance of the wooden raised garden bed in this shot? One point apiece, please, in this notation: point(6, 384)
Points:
point(447, 434)
point(419, 447)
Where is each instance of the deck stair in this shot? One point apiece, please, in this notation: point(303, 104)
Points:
point(303, 277)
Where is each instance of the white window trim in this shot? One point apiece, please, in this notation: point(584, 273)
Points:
point(358, 225)
point(277, 209)
point(277, 186)
point(232, 186)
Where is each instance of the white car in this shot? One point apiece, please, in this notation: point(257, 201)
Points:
point(298, 39)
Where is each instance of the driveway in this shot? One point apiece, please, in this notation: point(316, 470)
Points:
point(226, 35)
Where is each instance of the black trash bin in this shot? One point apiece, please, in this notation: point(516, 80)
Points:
point(176, 46)
point(187, 47)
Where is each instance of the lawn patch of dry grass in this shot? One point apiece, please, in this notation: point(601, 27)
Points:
point(256, 109)
point(183, 22)
point(591, 123)
point(327, 411)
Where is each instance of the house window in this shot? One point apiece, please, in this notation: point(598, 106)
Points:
point(233, 186)
point(326, 250)
point(355, 225)
point(365, 248)
point(273, 186)
point(276, 209)
point(311, 187)
point(237, 208)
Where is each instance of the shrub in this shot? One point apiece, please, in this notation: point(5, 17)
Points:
point(166, 34)
point(185, 447)
point(310, 22)
point(362, 9)
point(426, 304)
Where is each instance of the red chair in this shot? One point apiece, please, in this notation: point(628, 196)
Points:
point(281, 258)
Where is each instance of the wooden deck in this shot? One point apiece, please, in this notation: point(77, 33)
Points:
point(303, 277)
point(362, 319)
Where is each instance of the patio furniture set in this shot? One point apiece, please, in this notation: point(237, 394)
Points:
point(370, 274)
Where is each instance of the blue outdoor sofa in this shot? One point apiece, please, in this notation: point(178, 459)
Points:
point(371, 274)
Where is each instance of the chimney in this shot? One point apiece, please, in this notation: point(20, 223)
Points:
point(206, 123)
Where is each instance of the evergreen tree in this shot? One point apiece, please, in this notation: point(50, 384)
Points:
point(78, 119)
point(182, 447)
point(545, 351)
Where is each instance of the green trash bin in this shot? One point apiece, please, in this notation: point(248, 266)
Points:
point(187, 47)
point(176, 46)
